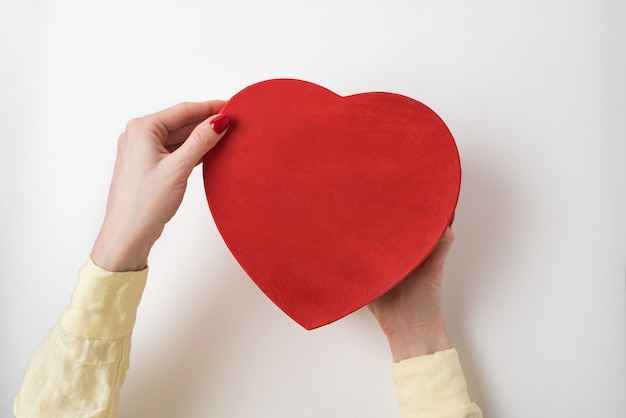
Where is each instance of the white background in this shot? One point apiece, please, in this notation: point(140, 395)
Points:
point(533, 92)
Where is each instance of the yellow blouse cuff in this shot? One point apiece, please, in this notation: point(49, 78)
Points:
point(104, 304)
point(432, 383)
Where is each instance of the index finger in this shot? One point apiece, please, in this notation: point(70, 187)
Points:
point(182, 114)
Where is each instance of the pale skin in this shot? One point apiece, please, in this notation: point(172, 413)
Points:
point(410, 314)
point(156, 155)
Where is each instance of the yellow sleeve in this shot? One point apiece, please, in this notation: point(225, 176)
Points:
point(433, 386)
point(79, 367)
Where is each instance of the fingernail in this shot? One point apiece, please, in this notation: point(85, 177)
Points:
point(220, 123)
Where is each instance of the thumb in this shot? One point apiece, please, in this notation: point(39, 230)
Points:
point(204, 137)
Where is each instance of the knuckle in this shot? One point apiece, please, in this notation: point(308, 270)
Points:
point(185, 109)
point(134, 124)
point(203, 136)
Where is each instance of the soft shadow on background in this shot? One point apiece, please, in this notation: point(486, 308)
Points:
point(481, 240)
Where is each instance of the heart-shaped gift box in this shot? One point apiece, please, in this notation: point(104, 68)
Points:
point(326, 201)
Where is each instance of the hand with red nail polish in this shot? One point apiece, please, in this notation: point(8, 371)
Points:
point(155, 156)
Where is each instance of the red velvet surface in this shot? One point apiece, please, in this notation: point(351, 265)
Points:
point(327, 201)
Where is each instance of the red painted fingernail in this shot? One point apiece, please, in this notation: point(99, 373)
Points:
point(220, 123)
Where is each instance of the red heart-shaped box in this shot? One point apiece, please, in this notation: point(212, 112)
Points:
point(326, 201)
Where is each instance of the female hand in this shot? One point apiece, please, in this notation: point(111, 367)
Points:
point(410, 314)
point(156, 154)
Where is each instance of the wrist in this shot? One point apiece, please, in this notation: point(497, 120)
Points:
point(419, 341)
point(120, 253)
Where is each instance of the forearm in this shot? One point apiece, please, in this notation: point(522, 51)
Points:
point(433, 386)
point(80, 366)
point(69, 375)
